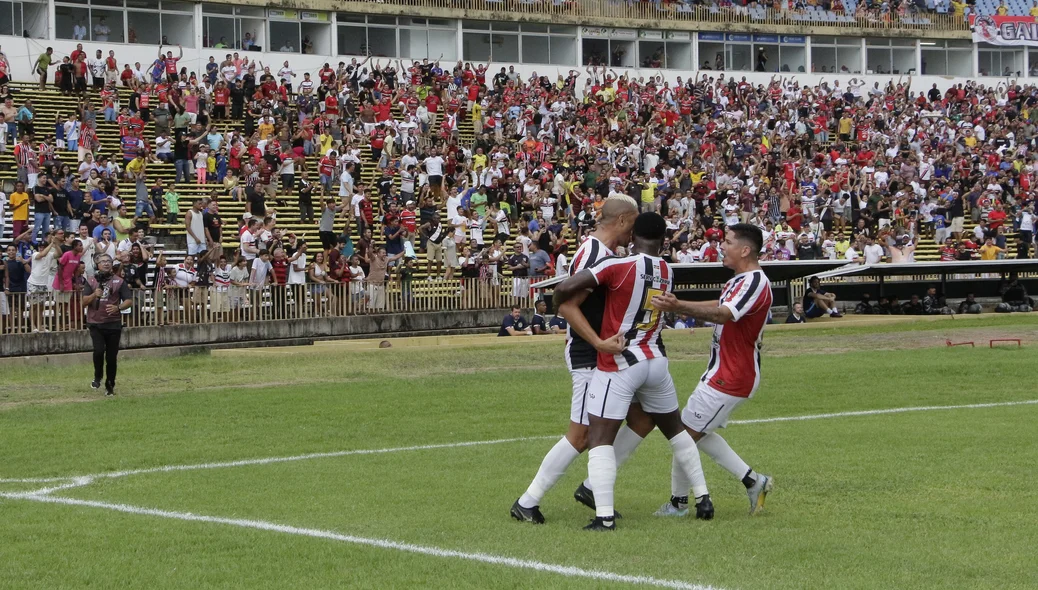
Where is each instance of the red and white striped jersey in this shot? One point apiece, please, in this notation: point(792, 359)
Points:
point(631, 283)
point(580, 354)
point(734, 365)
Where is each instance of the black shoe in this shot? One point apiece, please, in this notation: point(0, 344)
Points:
point(586, 497)
point(704, 508)
point(601, 524)
point(527, 514)
point(109, 390)
point(95, 385)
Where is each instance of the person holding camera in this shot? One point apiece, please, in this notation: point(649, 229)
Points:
point(105, 296)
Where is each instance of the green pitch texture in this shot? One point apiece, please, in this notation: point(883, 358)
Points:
point(932, 499)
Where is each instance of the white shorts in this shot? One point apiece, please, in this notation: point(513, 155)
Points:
point(956, 225)
point(581, 384)
point(195, 249)
point(708, 409)
point(611, 393)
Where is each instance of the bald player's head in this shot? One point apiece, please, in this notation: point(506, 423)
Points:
point(618, 215)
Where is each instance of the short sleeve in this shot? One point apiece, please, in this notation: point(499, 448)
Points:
point(508, 322)
point(744, 298)
point(605, 270)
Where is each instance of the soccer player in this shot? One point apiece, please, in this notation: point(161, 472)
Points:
point(733, 370)
point(631, 363)
point(613, 229)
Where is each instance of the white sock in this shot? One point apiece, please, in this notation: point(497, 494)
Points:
point(626, 442)
point(680, 484)
point(552, 468)
point(722, 454)
point(601, 470)
point(832, 310)
point(687, 456)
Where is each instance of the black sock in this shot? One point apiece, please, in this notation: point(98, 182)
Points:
point(676, 501)
point(747, 480)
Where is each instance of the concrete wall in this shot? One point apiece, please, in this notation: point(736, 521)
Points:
point(68, 342)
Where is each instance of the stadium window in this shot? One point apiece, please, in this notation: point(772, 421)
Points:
point(406, 37)
point(172, 23)
point(225, 26)
point(610, 52)
point(999, 61)
point(94, 22)
point(555, 46)
point(835, 54)
point(23, 18)
point(946, 58)
point(284, 36)
point(483, 42)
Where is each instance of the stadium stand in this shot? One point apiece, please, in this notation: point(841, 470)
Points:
point(276, 157)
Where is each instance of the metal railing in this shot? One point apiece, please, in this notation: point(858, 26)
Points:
point(664, 14)
point(63, 312)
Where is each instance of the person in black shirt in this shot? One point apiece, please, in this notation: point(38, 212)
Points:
point(797, 315)
point(514, 325)
point(305, 195)
point(212, 224)
point(538, 324)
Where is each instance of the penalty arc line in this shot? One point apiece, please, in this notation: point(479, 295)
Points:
point(540, 566)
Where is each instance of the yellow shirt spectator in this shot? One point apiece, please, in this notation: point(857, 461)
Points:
point(958, 8)
point(845, 126)
point(649, 192)
point(479, 161)
point(20, 206)
point(266, 129)
point(135, 166)
point(971, 141)
point(326, 143)
point(990, 252)
point(1002, 10)
point(696, 177)
point(1033, 11)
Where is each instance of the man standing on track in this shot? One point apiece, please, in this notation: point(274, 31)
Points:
point(632, 363)
point(733, 370)
point(614, 229)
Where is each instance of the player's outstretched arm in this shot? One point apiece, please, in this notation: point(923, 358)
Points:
point(707, 311)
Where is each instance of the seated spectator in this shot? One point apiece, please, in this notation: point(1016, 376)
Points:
point(1014, 297)
point(913, 306)
point(797, 315)
point(934, 305)
point(514, 325)
point(890, 306)
point(970, 305)
point(818, 301)
point(558, 325)
point(537, 324)
point(865, 306)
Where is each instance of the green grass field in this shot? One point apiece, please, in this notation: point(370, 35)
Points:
point(934, 498)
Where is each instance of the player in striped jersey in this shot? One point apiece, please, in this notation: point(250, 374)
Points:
point(733, 370)
point(632, 362)
point(613, 229)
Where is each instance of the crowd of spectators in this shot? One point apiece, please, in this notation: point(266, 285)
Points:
point(835, 170)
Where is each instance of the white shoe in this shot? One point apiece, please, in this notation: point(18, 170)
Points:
point(669, 509)
point(758, 492)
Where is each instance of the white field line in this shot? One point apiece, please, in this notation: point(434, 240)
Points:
point(44, 495)
point(1030, 402)
point(540, 566)
point(306, 457)
point(271, 460)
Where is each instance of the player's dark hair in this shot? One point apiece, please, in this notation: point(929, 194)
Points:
point(650, 226)
point(749, 233)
